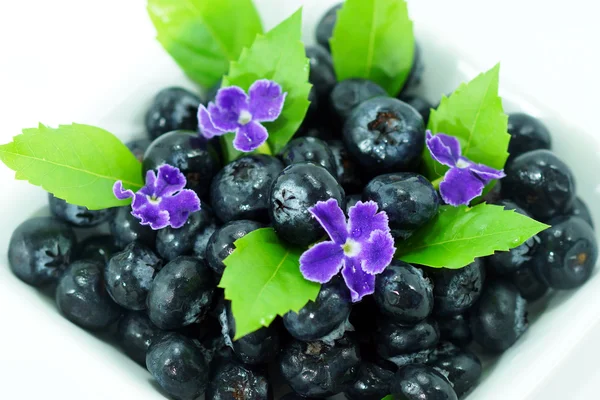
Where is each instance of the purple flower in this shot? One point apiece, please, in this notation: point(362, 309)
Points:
point(163, 201)
point(241, 113)
point(465, 180)
point(361, 248)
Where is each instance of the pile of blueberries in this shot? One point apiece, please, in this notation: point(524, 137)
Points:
point(156, 292)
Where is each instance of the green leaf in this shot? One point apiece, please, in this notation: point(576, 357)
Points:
point(263, 280)
point(474, 114)
point(77, 163)
point(374, 39)
point(204, 36)
point(458, 235)
point(388, 397)
point(280, 57)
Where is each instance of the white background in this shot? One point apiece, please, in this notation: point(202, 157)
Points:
point(70, 60)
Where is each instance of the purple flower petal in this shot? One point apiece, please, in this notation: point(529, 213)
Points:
point(169, 181)
point(364, 219)
point(230, 103)
point(120, 193)
point(460, 186)
point(206, 125)
point(149, 213)
point(321, 262)
point(358, 281)
point(443, 148)
point(266, 100)
point(332, 219)
point(180, 206)
point(485, 173)
point(377, 253)
point(250, 137)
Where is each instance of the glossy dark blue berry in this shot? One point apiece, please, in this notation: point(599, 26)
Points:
point(295, 396)
point(220, 245)
point(129, 275)
point(241, 189)
point(135, 334)
point(409, 200)
point(201, 241)
point(308, 149)
point(125, 228)
point(347, 170)
point(231, 380)
point(326, 25)
point(385, 135)
point(403, 293)
point(456, 290)
point(179, 366)
point(421, 382)
point(172, 243)
point(461, 367)
point(138, 147)
point(373, 383)
point(567, 253)
point(500, 316)
point(315, 369)
point(350, 93)
point(455, 329)
point(82, 298)
point(320, 131)
point(77, 215)
point(296, 189)
point(419, 103)
point(396, 340)
point(527, 134)
point(195, 157)
point(100, 248)
point(540, 183)
point(172, 109)
point(322, 76)
point(181, 293)
point(317, 319)
point(351, 201)
point(528, 284)
point(581, 210)
point(40, 249)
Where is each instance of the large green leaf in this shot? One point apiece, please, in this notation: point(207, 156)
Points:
point(77, 163)
point(262, 279)
point(458, 235)
point(203, 36)
point(474, 114)
point(280, 57)
point(374, 39)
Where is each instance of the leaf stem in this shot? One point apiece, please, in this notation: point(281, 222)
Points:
point(436, 183)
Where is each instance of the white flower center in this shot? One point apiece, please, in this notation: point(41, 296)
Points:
point(351, 248)
point(153, 200)
point(462, 163)
point(245, 117)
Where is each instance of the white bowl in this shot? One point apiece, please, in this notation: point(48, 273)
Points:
point(44, 356)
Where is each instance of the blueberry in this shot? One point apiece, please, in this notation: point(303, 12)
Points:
point(326, 25)
point(461, 367)
point(307, 149)
point(138, 147)
point(528, 284)
point(322, 76)
point(100, 248)
point(129, 275)
point(40, 250)
point(419, 103)
point(82, 298)
point(403, 293)
point(396, 340)
point(321, 317)
point(385, 135)
point(315, 369)
point(231, 380)
point(319, 131)
point(347, 170)
point(409, 200)
point(78, 216)
point(179, 366)
point(421, 382)
point(241, 189)
point(456, 290)
point(581, 210)
point(456, 330)
point(193, 155)
point(296, 189)
point(500, 317)
point(541, 183)
point(135, 334)
point(172, 243)
point(181, 293)
point(220, 245)
point(373, 383)
point(295, 396)
point(351, 201)
point(567, 253)
point(201, 241)
point(350, 93)
point(416, 73)
point(527, 134)
point(172, 109)
point(126, 228)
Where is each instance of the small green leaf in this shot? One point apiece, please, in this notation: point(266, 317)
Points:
point(388, 397)
point(263, 280)
point(459, 235)
point(280, 57)
point(204, 36)
point(374, 39)
point(77, 163)
point(474, 114)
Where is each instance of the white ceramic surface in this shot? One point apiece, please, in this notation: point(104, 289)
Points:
point(110, 81)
